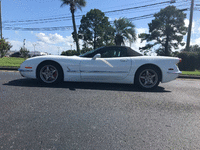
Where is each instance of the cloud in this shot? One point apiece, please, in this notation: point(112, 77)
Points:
point(196, 42)
point(16, 45)
point(16, 32)
point(194, 28)
point(50, 43)
point(111, 19)
point(53, 49)
point(199, 30)
point(142, 30)
point(137, 44)
point(186, 22)
point(53, 38)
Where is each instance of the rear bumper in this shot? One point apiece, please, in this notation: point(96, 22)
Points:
point(178, 72)
point(170, 75)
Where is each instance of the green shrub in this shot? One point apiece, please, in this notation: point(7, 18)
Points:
point(74, 52)
point(189, 61)
point(198, 61)
point(70, 53)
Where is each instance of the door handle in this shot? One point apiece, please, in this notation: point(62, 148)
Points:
point(123, 60)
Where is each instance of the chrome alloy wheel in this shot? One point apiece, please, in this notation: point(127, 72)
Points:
point(148, 78)
point(48, 74)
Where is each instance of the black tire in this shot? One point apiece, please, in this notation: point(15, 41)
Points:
point(147, 77)
point(49, 73)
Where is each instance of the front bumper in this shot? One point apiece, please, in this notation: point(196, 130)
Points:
point(25, 72)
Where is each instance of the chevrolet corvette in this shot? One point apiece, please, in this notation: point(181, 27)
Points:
point(108, 64)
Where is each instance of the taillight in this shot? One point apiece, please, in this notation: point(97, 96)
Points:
point(180, 60)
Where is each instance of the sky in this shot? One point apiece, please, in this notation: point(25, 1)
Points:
point(48, 26)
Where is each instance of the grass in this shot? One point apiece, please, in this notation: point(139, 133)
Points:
point(11, 62)
point(196, 72)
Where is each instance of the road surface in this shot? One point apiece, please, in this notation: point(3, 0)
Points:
point(91, 116)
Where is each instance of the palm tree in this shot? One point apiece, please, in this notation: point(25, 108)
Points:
point(73, 5)
point(124, 29)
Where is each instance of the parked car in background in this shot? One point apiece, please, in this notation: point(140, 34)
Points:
point(16, 54)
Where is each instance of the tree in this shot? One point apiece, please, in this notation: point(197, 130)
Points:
point(94, 26)
point(165, 31)
point(124, 29)
point(24, 52)
point(109, 36)
point(74, 4)
point(73, 52)
point(4, 47)
point(84, 50)
point(70, 53)
point(193, 48)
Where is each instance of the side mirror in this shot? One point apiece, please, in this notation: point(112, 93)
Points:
point(96, 56)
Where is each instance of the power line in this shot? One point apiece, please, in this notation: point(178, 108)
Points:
point(154, 9)
point(137, 7)
point(37, 20)
point(67, 27)
point(41, 29)
point(63, 28)
point(10, 27)
point(40, 21)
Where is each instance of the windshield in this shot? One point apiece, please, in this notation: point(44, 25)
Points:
point(89, 52)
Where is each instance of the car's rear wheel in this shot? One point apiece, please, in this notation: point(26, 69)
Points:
point(147, 77)
point(49, 73)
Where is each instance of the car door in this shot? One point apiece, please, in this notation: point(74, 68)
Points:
point(109, 67)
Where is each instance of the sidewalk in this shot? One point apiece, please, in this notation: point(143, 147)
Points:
point(180, 76)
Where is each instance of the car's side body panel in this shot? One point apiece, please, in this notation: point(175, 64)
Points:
point(105, 69)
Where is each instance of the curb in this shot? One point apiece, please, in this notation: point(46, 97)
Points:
point(180, 76)
point(189, 77)
point(9, 68)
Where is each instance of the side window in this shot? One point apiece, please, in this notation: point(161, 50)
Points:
point(123, 52)
point(91, 55)
point(107, 53)
point(113, 52)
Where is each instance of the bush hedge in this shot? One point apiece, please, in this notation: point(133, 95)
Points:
point(190, 61)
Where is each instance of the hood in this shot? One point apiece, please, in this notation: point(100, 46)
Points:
point(51, 57)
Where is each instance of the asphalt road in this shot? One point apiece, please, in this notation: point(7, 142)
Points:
point(91, 116)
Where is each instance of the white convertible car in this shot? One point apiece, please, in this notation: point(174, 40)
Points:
point(113, 64)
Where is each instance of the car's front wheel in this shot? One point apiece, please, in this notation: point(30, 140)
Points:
point(49, 73)
point(147, 77)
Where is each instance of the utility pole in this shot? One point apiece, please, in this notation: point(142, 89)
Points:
point(34, 48)
point(190, 26)
point(58, 50)
point(24, 43)
point(0, 21)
